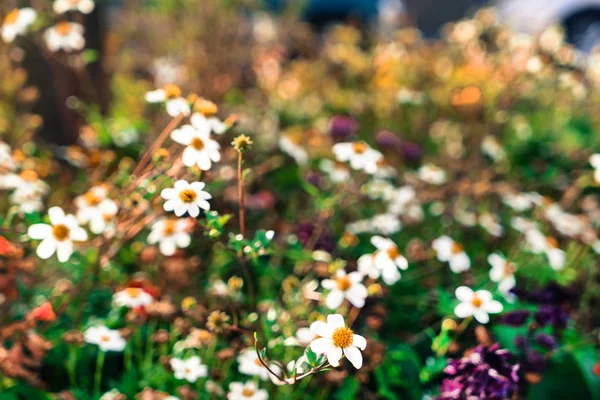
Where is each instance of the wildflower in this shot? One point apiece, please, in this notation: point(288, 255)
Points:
point(432, 174)
point(83, 6)
point(359, 155)
point(201, 150)
point(190, 369)
point(95, 208)
point(336, 339)
point(519, 201)
point(57, 237)
point(246, 391)
point(595, 162)
point(16, 23)
point(186, 197)
point(204, 118)
point(291, 145)
point(132, 297)
point(502, 272)
point(242, 143)
point(345, 286)
point(477, 304)
point(67, 36)
point(485, 373)
point(539, 243)
point(337, 172)
point(303, 337)
point(170, 234)
point(217, 321)
point(343, 127)
point(250, 364)
point(452, 252)
point(170, 95)
point(105, 338)
point(491, 147)
point(384, 262)
point(490, 223)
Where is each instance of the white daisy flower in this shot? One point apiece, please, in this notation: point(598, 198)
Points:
point(338, 172)
point(452, 252)
point(384, 262)
point(345, 286)
point(59, 236)
point(359, 155)
point(17, 23)
point(190, 369)
point(289, 146)
point(539, 243)
point(170, 95)
point(6, 159)
point(27, 180)
point(491, 147)
point(170, 234)
point(303, 337)
point(385, 224)
point(249, 364)
point(336, 340)
point(502, 272)
point(27, 200)
point(432, 174)
point(595, 162)
point(246, 391)
point(186, 197)
point(132, 297)
point(67, 36)
point(96, 209)
point(478, 304)
point(106, 339)
point(490, 223)
point(204, 117)
point(83, 6)
point(518, 201)
point(523, 225)
point(201, 150)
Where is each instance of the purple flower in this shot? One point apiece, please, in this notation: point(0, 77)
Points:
point(515, 318)
point(410, 151)
point(343, 127)
point(486, 373)
point(545, 340)
point(535, 362)
point(324, 241)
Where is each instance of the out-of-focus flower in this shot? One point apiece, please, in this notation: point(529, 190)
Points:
point(595, 162)
point(502, 272)
point(106, 339)
point(170, 234)
point(384, 262)
point(291, 146)
point(83, 6)
point(132, 297)
point(478, 304)
point(201, 150)
point(359, 155)
point(246, 391)
point(539, 243)
point(186, 197)
point(336, 339)
point(204, 118)
point(452, 252)
point(17, 23)
point(250, 364)
point(170, 95)
point(342, 127)
point(519, 201)
point(96, 208)
point(432, 174)
point(491, 147)
point(190, 369)
point(345, 286)
point(57, 237)
point(486, 373)
point(490, 223)
point(336, 171)
point(67, 36)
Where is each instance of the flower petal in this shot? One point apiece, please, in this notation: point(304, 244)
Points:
point(354, 356)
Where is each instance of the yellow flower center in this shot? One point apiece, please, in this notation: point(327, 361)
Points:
point(60, 232)
point(187, 195)
point(393, 252)
point(257, 362)
point(342, 337)
point(477, 302)
point(63, 28)
point(172, 91)
point(247, 392)
point(343, 283)
point(105, 338)
point(359, 147)
point(551, 242)
point(509, 269)
point(169, 228)
point(197, 143)
point(28, 175)
point(133, 292)
point(457, 248)
point(91, 199)
point(206, 107)
point(11, 17)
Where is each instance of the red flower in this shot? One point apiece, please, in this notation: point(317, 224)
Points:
point(596, 369)
point(43, 312)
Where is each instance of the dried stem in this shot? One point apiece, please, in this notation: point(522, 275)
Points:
point(241, 195)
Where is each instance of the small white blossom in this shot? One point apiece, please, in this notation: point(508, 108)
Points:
point(249, 364)
point(478, 304)
point(539, 243)
point(132, 297)
point(186, 197)
point(359, 155)
point(432, 174)
point(190, 369)
point(170, 234)
point(345, 286)
point(106, 339)
point(201, 150)
point(385, 262)
point(95, 208)
point(246, 391)
point(170, 95)
point(83, 6)
point(336, 171)
point(452, 252)
point(337, 340)
point(67, 36)
point(502, 272)
point(17, 23)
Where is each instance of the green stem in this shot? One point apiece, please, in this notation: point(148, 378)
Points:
point(71, 365)
point(98, 373)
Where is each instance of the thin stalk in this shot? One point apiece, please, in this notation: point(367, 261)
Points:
point(98, 373)
point(241, 195)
